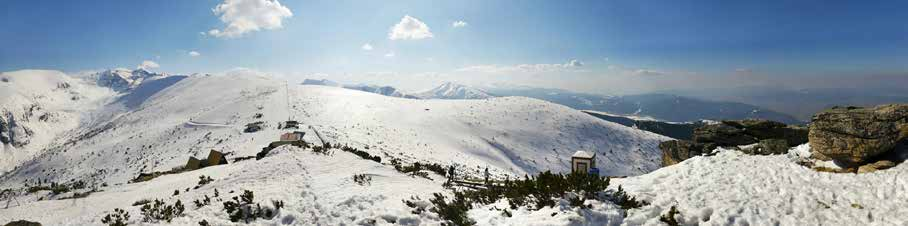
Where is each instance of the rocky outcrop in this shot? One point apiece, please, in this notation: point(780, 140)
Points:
point(722, 135)
point(853, 135)
point(12, 133)
point(5, 137)
point(675, 151)
point(768, 147)
point(751, 136)
point(765, 129)
point(22, 223)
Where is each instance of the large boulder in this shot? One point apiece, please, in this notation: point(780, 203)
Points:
point(768, 147)
point(854, 135)
point(766, 129)
point(723, 135)
point(675, 151)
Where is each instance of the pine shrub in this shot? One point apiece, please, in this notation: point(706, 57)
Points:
point(119, 217)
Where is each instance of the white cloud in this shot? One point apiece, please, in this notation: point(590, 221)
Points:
point(367, 47)
point(572, 65)
point(243, 16)
point(459, 23)
point(194, 54)
point(646, 72)
point(409, 28)
point(389, 54)
point(146, 65)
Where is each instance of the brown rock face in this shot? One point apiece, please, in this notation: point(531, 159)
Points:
point(854, 135)
point(765, 129)
point(722, 135)
point(675, 151)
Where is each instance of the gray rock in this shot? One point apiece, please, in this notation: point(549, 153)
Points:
point(769, 147)
point(22, 223)
point(675, 151)
point(5, 137)
point(722, 135)
point(766, 129)
point(854, 135)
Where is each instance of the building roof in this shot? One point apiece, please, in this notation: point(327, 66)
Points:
point(583, 154)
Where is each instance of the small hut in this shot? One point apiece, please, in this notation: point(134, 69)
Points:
point(214, 158)
point(294, 136)
point(583, 162)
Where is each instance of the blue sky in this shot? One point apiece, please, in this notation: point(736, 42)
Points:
point(645, 45)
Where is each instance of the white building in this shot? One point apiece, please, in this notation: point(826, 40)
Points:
point(583, 161)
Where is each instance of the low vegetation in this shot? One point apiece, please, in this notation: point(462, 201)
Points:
point(244, 208)
point(543, 190)
point(119, 217)
point(362, 179)
point(670, 217)
point(159, 211)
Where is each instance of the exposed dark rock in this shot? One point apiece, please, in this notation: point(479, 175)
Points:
point(765, 129)
point(22, 223)
point(768, 147)
point(722, 135)
point(855, 135)
point(254, 127)
point(675, 151)
point(763, 137)
point(5, 137)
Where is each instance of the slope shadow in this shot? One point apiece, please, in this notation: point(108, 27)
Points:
point(148, 89)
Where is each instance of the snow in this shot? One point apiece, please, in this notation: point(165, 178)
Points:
point(583, 154)
point(450, 90)
point(105, 137)
point(732, 188)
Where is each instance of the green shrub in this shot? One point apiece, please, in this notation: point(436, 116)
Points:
point(119, 217)
point(669, 218)
point(203, 180)
point(161, 211)
point(244, 208)
point(455, 212)
point(362, 179)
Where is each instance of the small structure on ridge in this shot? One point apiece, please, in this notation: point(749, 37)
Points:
point(584, 162)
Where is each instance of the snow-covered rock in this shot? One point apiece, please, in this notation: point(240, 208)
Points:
point(450, 90)
point(733, 188)
point(38, 105)
point(121, 80)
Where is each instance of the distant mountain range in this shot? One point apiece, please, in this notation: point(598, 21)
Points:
point(801, 103)
point(382, 90)
point(447, 90)
point(663, 107)
point(681, 131)
point(450, 90)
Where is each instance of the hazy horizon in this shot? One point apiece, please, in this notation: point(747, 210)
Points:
point(602, 47)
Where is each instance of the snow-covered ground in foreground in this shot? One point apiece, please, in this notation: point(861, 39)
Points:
point(316, 190)
point(732, 188)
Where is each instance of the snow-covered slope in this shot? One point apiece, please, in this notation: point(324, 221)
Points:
point(121, 79)
point(450, 90)
point(381, 90)
point(732, 188)
point(161, 129)
point(38, 105)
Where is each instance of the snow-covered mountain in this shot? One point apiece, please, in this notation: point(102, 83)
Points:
point(450, 90)
point(513, 134)
point(36, 106)
point(123, 79)
point(381, 90)
point(102, 139)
